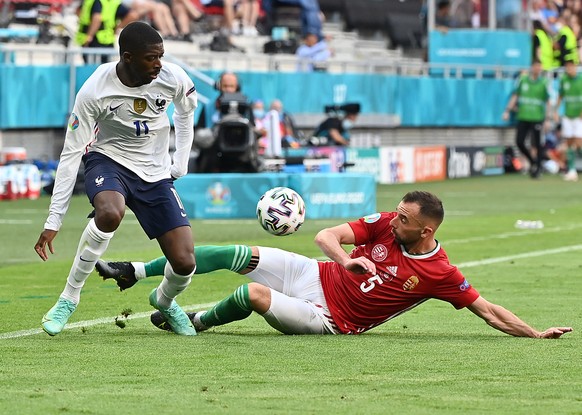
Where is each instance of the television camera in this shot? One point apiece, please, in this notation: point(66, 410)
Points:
point(232, 144)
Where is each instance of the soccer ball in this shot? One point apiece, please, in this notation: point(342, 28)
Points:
point(281, 211)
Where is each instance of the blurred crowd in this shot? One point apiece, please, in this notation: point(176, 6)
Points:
point(557, 34)
point(96, 23)
point(555, 24)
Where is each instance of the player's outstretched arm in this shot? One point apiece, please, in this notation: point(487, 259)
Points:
point(507, 322)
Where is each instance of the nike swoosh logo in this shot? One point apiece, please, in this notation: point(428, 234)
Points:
point(114, 108)
point(83, 259)
point(183, 214)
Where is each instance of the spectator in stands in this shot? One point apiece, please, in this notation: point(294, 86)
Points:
point(289, 133)
point(313, 54)
point(311, 21)
point(566, 45)
point(464, 12)
point(508, 14)
point(228, 10)
point(249, 14)
point(258, 111)
point(160, 14)
point(551, 14)
point(258, 108)
point(274, 134)
point(442, 17)
point(537, 14)
point(184, 12)
point(98, 22)
point(530, 99)
point(335, 130)
point(574, 23)
point(543, 46)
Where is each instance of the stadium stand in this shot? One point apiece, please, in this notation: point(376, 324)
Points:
point(404, 30)
point(369, 17)
point(384, 50)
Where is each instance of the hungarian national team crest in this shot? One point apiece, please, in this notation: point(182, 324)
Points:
point(139, 105)
point(410, 283)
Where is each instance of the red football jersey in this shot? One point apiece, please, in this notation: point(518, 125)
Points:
point(360, 302)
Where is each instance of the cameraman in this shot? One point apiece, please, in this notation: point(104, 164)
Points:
point(335, 130)
point(227, 83)
point(231, 143)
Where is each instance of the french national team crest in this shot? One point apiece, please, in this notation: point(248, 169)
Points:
point(139, 105)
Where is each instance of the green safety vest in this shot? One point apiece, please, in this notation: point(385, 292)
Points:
point(106, 33)
point(571, 46)
point(571, 93)
point(546, 50)
point(532, 96)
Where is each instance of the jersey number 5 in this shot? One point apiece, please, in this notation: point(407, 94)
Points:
point(369, 285)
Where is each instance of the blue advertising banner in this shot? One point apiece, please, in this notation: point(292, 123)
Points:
point(232, 195)
point(229, 195)
point(480, 47)
point(34, 96)
point(340, 195)
point(38, 97)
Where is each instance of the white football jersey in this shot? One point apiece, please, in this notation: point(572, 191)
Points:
point(128, 125)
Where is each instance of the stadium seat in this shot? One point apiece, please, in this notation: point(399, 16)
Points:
point(370, 16)
point(404, 30)
point(331, 7)
point(287, 16)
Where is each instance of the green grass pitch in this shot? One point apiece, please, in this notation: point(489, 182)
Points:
point(432, 360)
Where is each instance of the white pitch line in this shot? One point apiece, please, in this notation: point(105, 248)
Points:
point(520, 256)
point(15, 222)
point(89, 323)
point(524, 232)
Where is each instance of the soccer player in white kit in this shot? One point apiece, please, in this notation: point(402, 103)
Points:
point(120, 129)
point(396, 265)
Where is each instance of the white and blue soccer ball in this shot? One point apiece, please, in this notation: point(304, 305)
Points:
point(281, 211)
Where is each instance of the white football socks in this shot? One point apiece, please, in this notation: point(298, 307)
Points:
point(172, 285)
point(92, 245)
point(139, 270)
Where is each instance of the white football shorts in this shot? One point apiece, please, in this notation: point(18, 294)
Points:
point(571, 127)
point(298, 305)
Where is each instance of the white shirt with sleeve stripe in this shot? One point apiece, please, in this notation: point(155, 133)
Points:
point(128, 125)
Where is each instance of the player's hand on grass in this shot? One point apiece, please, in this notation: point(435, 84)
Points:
point(554, 332)
point(45, 239)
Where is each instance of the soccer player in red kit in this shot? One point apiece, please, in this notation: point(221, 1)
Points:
point(396, 265)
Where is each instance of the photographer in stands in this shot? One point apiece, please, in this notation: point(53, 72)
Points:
point(335, 130)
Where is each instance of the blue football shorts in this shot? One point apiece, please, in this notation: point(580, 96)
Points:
point(156, 206)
